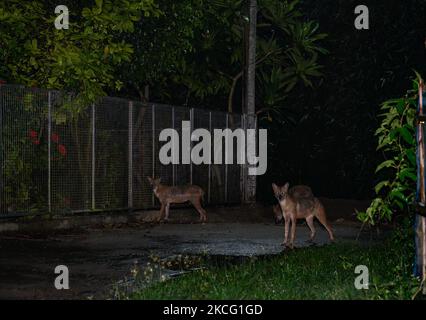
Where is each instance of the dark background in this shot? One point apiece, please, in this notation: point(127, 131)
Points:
point(332, 147)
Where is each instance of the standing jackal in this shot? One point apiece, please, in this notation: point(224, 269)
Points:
point(177, 194)
point(297, 203)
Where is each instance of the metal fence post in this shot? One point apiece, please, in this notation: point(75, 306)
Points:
point(130, 164)
point(226, 163)
point(49, 153)
point(93, 156)
point(153, 148)
point(210, 163)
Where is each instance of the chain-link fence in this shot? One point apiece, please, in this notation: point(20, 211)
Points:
point(55, 161)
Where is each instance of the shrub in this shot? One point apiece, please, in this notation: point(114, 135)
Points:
point(396, 140)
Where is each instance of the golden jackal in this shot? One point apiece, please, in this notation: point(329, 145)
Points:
point(298, 202)
point(177, 194)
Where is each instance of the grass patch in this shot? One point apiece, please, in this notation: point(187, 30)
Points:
point(310, 273)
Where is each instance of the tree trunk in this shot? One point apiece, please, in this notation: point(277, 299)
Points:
point(249, 192)
point(251, 59)
point(143, 94)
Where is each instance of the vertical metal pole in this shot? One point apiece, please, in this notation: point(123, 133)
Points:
point(173, 165)
point(226, 164)
point(153, 148)
point(49, 153)
point(130, 172)
point(191, 120)
point(242, 166)
point(210, 164)
point(93, 156)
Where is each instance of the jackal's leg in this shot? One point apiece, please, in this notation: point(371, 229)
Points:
point(286, 226)
point(323, 219)
point(161, 212)
point(293, 230)
point(197, 204)
point(167, 212)
point(310, 222)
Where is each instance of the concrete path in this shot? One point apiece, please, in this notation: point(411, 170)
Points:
point(97, 258)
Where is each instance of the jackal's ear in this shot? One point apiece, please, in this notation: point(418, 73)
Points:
point(275, 188)
point(149, 179)
point(158, 180)
point(285, 188)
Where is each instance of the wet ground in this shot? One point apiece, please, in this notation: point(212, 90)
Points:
point(98, 258)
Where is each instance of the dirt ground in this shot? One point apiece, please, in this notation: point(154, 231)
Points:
point(99, 257)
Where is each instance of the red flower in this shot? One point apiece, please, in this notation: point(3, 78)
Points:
point(33, 134)
point(2, 82)
point(36, 142)
point(62, 150)
point(55, 138)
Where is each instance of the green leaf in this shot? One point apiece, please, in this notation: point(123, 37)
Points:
point(385, 164)
point(411, 155)
point(397, 194)
point(408, 173)
point(407, 135)
point(380, 185)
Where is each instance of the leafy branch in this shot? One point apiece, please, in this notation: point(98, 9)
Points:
point(396, 140)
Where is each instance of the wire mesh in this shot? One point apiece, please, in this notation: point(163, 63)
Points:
point(163, 119)
point(143, 156)
point(233, 189)
point(182, 172)
point(71, 156)
point(111, 153)
point(23, 149)
point(200, 172)
point(56, 159)
point(218, 171)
